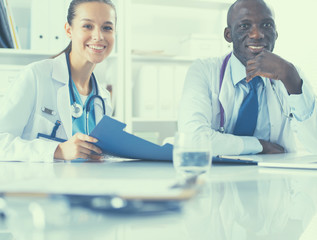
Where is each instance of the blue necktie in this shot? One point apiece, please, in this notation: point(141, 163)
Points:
point(248, 112)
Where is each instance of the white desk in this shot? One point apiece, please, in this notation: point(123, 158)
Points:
point(238, 202)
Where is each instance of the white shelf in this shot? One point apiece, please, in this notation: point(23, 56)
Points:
point(28, 52)
point(162, 58)
point(187, 3)
point(12, 51)
point(10, 56)
point(22, 57)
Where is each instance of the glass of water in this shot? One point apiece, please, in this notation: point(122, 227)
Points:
point(192, 153)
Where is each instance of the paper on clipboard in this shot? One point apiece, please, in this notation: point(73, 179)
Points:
point(289, 161)
point(113, 140)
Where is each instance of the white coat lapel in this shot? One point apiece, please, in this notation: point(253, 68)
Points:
point(274, 109)
point(226, 95)
point(60, 74)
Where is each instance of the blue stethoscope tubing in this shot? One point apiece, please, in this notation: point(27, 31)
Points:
point(77, 109)
point(222, 113)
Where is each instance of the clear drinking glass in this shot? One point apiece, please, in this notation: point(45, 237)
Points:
point(192, 153)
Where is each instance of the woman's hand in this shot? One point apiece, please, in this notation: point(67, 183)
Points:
point(78, 146)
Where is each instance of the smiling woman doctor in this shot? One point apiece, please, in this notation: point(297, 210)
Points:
point(55, 103)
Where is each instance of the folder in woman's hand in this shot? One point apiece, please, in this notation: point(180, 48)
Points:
point(113, 140)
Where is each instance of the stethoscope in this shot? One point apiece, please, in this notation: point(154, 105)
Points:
point(76, 109)
point(222, 113)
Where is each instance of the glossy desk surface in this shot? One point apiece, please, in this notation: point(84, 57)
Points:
point(236, 202)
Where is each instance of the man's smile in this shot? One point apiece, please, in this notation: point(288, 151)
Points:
point(256, 48)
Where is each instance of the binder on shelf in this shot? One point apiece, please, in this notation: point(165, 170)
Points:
point(165, 92)
point(12, 26)
point(39, 25)
point(158, 91)
point(179, 79)
point(5, 35)
point(8, 35)
point(146, 92)
point(47, 25)
point(57, 19)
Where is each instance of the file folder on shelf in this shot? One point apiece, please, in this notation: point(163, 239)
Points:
point(113, 140)
point(5, 32)
point(11, 23)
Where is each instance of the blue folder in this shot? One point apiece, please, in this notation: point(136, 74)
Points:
point(113, 140)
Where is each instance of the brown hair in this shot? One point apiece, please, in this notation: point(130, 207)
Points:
point(72, 13)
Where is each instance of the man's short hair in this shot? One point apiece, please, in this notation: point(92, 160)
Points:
point(229, 14)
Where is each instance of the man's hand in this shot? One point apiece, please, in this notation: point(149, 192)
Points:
point(271, 148)
point(78, 146)
point(269, 65)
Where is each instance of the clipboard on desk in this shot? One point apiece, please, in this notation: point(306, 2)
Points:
point(114, 196)
point(151, 189)
point(113, 140)
point(108, 204)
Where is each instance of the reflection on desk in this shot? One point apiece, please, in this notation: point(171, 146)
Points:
point(266, 209)
point(237, 202)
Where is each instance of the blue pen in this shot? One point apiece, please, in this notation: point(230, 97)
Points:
point(57, 124)
point(53, 134)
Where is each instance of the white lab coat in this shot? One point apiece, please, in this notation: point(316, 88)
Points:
point(200, 111)
point(41, 84)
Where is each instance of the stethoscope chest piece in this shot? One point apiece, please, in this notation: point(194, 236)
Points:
point(77, 110)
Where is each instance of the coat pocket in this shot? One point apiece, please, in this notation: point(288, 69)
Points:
point(42, 125)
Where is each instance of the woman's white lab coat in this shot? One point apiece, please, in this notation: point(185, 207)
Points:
point(41, 85)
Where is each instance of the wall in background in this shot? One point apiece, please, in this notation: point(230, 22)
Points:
point(296, 26)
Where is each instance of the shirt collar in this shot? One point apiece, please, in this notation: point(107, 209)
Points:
point(238, 71)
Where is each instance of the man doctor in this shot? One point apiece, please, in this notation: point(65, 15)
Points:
point(251, 101)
